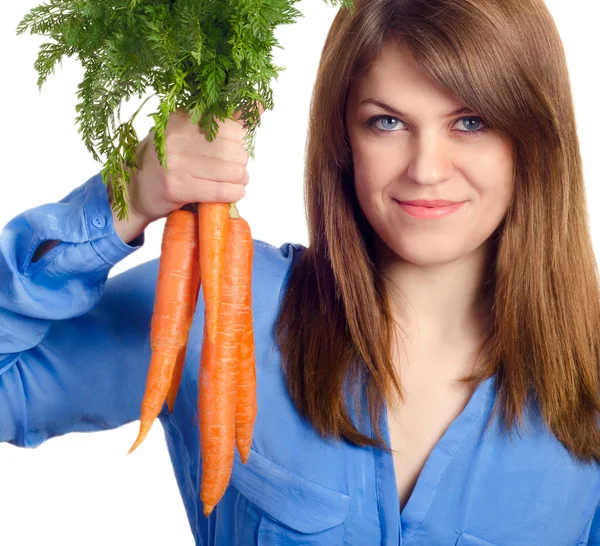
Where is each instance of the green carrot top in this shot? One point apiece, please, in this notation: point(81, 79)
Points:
point(210, 57)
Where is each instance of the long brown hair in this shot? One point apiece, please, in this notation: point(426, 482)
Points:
point(505, 60)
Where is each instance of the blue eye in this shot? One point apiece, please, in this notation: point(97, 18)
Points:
point(371, 123)
point(479, 123)
point(374, 120)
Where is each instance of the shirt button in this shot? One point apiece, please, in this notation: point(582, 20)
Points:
point(98, 221)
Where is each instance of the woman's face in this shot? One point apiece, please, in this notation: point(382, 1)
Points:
point(424, 153)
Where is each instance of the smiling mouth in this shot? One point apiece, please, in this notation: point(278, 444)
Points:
point(429, 204)
point(429, 211)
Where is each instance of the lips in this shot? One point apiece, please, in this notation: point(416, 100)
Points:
point(429, 212)
point(430, 204)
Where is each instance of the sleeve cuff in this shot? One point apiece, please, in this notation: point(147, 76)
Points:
point(100, 227)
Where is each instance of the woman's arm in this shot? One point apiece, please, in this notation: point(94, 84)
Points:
point(74, 346)
point(128, 230)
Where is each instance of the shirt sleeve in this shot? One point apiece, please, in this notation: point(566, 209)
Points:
point(74, 345)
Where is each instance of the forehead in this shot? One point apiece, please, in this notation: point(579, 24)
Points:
point(396, 78)
point(394, 61)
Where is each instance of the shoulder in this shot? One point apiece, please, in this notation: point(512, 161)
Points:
point(273, 260)
point(271, 267)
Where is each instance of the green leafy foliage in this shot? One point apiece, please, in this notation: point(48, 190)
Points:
point(209, 57)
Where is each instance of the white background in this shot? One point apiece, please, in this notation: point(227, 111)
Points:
point(80, 488)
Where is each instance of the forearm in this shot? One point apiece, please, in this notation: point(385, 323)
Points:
point(62, 368)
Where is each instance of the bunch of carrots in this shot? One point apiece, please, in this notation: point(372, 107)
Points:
point(214, 245)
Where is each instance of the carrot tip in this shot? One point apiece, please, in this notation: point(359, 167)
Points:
point(144, 429)
point(244, 450)
point(208, 508)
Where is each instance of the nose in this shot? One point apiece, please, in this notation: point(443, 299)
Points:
point(430, 162)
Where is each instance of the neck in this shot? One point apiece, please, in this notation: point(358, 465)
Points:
point(439, 305)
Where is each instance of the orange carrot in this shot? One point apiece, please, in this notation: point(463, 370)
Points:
point(213, 221)
point(179, 365)
point(172, 313)
point(176, 379)
point(214, 400)
point(217, 378)
point(208, 245)
point(246, 407)
point(245, 411)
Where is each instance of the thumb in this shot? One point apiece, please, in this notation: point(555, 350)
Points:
point(237, 114)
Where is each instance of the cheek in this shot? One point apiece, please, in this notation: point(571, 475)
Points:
point(495, 190)
point(372, 176)
point(487, 212)
point(369, 194)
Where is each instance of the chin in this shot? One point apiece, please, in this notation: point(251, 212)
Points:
point(422, 255)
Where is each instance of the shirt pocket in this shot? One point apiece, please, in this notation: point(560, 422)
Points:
point(466, 539)
point(292, 509)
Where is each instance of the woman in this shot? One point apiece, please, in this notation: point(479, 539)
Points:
point(425, 375)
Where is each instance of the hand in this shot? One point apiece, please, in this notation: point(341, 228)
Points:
point(199, 171)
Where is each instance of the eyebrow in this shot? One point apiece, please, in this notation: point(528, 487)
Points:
point(461, 110)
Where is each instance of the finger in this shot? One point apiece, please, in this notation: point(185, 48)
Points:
point(237, 116)
point(207, 191)
point(180, 123)
point(235, 131)
point(217, 169)
point(227, 193)
point(225, 149)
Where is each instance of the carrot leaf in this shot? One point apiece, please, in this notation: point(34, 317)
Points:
point(211, 58)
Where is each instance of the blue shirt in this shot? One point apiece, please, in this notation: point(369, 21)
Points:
point(74, 354)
